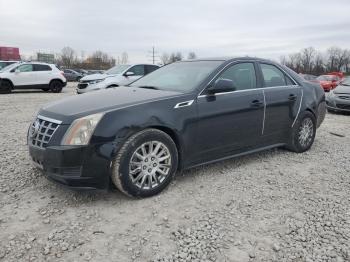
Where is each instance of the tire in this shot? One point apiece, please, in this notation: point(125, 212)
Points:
point(303, 133)
point(56, 86)
point(139, 174)
point(45, 89)
point(5, 87)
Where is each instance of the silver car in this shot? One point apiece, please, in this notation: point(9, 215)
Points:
point(118, 75)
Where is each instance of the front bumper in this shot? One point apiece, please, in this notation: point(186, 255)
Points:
point(337, 104)
point(79, 167)
point(87, 87)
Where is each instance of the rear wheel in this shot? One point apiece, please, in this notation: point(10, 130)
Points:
point(56, 86)
point(5, 87)
point(303, 133)
point(145, 164)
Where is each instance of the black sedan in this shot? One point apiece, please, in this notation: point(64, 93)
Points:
point(182, 115)
point(338, 99)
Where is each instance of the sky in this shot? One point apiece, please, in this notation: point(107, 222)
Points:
point(263, 28)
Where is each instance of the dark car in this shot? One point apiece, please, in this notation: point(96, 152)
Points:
point(81, 71)
point(182, 115)
point(339, 98)
point(72, 75)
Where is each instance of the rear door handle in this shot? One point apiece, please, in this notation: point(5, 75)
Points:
point(292, 97)
point(256, 103)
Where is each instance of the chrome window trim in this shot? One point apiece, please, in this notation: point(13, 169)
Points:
point(246, 90)
point(49, 119)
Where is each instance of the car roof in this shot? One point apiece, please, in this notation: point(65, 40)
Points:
point(231, 59)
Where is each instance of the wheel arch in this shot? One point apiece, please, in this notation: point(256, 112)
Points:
point(56, 79)
point(8, 80)
point(175, 137)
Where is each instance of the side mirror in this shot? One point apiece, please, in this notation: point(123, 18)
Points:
point(129, 73)
point(17, 71)
point(221, 86)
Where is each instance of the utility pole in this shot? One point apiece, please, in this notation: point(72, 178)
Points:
point(153, 54)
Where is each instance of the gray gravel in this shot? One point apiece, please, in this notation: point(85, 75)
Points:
point(271, 206)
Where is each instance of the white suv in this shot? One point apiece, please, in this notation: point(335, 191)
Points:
point(116, 76)
point(31, 75)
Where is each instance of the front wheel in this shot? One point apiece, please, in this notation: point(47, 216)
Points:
point(303, 133)
point(145, 164)
point(56, 86)
point(5, 87)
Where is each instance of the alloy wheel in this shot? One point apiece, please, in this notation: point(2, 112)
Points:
point(149, 165)
point(306, 131)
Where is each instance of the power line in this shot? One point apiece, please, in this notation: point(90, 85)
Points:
point(153, 54)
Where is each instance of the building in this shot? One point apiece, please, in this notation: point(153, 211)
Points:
point(9, 53)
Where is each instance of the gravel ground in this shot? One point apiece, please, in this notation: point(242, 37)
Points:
point(271, 206)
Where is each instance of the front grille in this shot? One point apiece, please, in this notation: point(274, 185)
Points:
point(82, 85)
point(41, 132)
point(344, 97)
point(343, 106)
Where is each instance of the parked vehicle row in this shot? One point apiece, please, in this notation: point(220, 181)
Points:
point(138, 136)
point(118, 75)
point(338, 99)
point(328, 81)
point(31, 75)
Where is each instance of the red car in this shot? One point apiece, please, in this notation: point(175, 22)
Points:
point(339, 74)
point(328, 82)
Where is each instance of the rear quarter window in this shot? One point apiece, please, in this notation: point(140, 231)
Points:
point(42, 68)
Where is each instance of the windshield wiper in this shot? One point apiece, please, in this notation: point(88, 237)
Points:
point(345, 84)
point(148, 87)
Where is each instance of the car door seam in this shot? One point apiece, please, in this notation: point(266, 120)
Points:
point(301, 100)
point(263, 125)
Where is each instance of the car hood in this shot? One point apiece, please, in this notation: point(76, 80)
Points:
point(70, 108)
point(96, 77)
point(342, 90)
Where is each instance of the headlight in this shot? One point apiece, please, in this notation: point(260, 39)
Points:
point(96, 81)
point(81, 130)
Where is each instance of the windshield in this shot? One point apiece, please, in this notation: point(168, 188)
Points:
point(117, 69)
point(346, 82)
point(7, 67)
point(180, 76)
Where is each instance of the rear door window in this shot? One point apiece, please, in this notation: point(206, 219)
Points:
point(272, 76)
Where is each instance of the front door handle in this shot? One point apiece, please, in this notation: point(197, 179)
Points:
point(256, 103)
point(292, 97)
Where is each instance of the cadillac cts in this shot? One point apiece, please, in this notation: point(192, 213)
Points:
point(182, 115)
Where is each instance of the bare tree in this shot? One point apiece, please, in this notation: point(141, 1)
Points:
point(68, 56)
point(191, 55)
point(99, 60)
point(175, 57)
point(307, 56)
point(164, 58)
point(124, 59)
point(333, 55)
